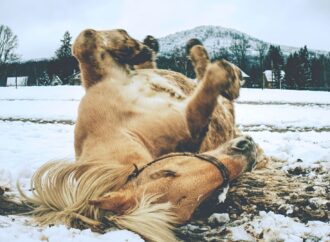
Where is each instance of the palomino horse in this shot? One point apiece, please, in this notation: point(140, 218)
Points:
point(130, 117)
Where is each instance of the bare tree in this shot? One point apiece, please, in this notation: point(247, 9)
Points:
point(262, 51)
point(238, 48)
point(8, 44)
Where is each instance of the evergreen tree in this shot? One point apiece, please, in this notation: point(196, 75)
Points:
point(305, 67)
point(256, 78)
point(44, 79)
point(64, 65)
point(274, 61)
point(317, 70)
point(223, 53)
point(292, 71)
point(65, 49)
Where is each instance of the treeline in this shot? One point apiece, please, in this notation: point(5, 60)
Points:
point(39, 72)
point(302, 69)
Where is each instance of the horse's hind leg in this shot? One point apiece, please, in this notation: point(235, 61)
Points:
point(216, 78)
point(103, 54)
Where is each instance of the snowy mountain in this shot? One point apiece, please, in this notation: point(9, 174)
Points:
point(214, 38)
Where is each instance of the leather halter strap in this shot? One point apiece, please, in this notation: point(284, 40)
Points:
point(208, 158)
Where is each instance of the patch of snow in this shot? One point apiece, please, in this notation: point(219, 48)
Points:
point(283, 96)
point(42, 92)
point(40, 109)
point(239, 234)
point(282, 116)
point(275, 227)
point(303, 149)
point(25, 146)
point(18, 228)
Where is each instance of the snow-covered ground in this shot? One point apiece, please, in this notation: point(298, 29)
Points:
point(36, 125)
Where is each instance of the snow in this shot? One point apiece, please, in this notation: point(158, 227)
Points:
point(276, 227)
point(23, 231)
point(42, 92)
point(291, 125)
point(284, 96)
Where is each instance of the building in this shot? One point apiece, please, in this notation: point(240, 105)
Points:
point(245, 79)
point(17, 81)
point(75, 79)
point(56, 81)
point(269, 80)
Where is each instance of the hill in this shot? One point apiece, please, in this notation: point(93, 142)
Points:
point(214, 38)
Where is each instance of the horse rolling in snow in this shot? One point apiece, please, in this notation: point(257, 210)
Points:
point(129, 118)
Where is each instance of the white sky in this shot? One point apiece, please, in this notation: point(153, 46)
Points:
point(40, 24)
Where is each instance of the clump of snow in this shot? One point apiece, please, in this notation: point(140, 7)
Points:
point(222, 196)
point(219, 218)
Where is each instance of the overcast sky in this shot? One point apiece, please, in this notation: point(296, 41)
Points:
point(40, 24)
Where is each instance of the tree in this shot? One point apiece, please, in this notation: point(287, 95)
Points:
point(8, 44)
point(305, 67)
point(238, 48)
point(274, 61)
point(223, 53)
point(320, 71)
point(44, 79)
point(65, 49)
point(64, 65)
point(292, 73)
point(262, 50)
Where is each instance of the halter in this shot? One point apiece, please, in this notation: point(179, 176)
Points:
point(211, 159)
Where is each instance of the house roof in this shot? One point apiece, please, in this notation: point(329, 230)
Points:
point(244, 75)
point(269, 75)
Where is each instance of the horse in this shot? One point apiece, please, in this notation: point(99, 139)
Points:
point(132, 115)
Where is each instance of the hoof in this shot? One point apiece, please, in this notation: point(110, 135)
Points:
point(191, 43)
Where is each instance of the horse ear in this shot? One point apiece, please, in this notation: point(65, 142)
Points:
point(117, 202)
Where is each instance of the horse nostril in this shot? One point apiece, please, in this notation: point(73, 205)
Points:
point(249, 138)
point(242, 144)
